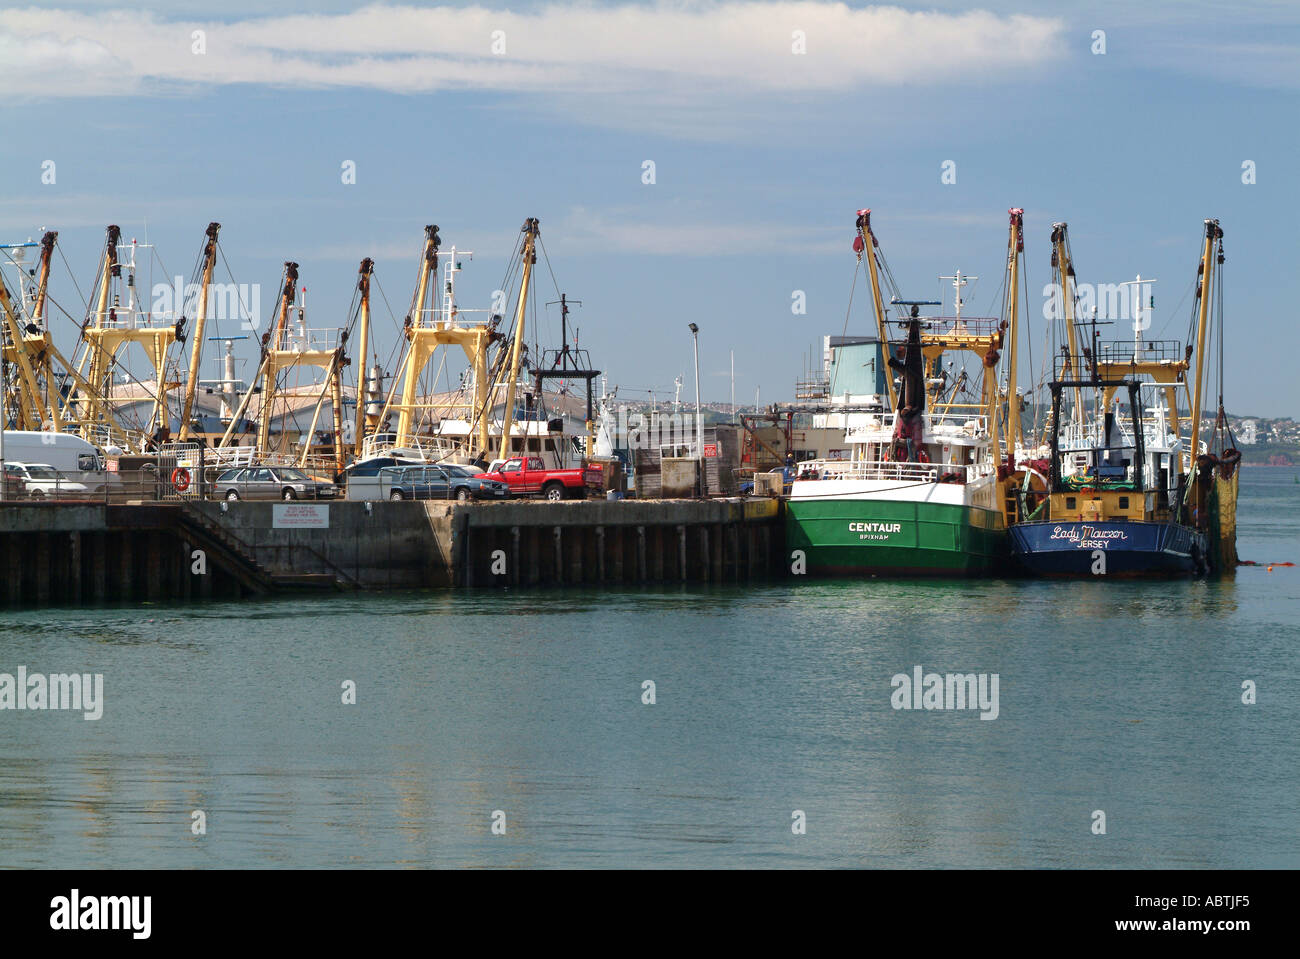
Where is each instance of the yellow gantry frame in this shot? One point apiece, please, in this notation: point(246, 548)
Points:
point(1167, 372)
point(423, 341)
point(103, 342)
point(275, 360)
point(36, 359)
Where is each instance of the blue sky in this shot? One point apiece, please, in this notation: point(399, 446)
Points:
point(761, 158)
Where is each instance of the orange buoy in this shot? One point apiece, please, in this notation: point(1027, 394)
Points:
point(181, 479)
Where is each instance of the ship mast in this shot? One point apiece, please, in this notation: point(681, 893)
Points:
point(286, 297)
point(531, 230)
point(866, 243)
point(363, 351)
point(1015, 247)
point(415, 356)
point(200, 321)
point(1071, 369)
point(1204, 290)
point(47, 247)
point(268, 367)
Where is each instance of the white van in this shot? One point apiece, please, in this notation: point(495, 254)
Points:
point(70, 455)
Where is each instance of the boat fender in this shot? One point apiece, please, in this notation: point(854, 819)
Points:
point(181, 479)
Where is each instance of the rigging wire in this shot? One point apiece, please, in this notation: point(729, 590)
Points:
point(857, 269)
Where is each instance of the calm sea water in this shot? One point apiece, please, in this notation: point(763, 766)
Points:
point(1118, 697)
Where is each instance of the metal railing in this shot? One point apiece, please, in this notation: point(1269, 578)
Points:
point(111, 486)
point(892, 470)
point(299, 339)
point(954, 422)
point(950, 326)
point(428, 448)
point(228, 457)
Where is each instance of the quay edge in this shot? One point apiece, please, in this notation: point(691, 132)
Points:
point(71, 553)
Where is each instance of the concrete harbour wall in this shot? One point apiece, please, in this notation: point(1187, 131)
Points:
point(70, 553)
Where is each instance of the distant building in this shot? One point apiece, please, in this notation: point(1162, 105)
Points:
point(1247, 435)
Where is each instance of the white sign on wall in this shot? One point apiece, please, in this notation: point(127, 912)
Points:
point(300, 516)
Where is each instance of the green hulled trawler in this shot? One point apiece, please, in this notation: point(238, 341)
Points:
point(920, 492)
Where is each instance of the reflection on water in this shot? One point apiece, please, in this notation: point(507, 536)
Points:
point(1121, 696)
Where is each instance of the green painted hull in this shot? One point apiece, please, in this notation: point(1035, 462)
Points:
point(856, 537)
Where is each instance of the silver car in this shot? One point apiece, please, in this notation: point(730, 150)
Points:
point(44, 481)
point(270, 482)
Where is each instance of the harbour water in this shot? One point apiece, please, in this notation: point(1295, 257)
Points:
point(1123, 697)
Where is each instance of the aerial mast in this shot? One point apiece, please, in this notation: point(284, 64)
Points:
point(568, 363)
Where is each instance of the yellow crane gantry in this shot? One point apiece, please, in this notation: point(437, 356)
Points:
point(106, 335)
point(425, 331)
point(29, 346)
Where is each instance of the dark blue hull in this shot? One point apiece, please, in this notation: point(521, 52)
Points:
point(1123, 548)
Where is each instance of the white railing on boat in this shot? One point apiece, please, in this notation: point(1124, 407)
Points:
point(427, 448)
point(952, 423)
point(891, 470)
point(230, 456)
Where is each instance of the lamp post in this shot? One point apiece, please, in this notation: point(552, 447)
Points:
point(699, 428)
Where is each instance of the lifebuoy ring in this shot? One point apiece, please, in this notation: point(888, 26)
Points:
point(922, 456)
point(181, 479)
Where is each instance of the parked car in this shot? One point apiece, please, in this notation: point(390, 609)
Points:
point(361, 479)
point(527, 474)
point(41, 481)
point(271, 482)
point(439, 481)
point(13, 486)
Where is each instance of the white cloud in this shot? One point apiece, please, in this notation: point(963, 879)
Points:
point(622, 232)
point(707, 48)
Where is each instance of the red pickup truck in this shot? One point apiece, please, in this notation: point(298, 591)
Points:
point(526, 475)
